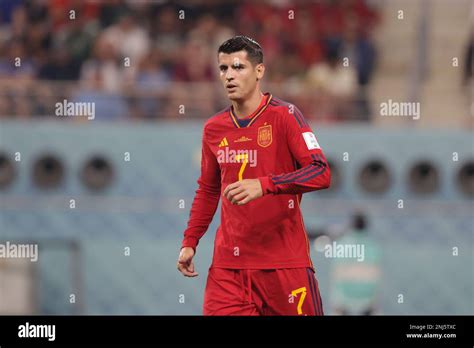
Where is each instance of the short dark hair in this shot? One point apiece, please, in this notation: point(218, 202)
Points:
point(243, 43)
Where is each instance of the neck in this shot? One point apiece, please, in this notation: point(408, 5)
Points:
point(243, 108)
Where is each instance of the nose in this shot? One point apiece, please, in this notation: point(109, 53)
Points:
point(229, 75)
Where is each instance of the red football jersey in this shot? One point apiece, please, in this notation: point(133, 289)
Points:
point(277, 146)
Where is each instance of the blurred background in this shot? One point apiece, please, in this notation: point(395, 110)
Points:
point(107, 198)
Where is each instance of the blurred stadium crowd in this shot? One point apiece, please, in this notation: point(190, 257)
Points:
point(143, 59)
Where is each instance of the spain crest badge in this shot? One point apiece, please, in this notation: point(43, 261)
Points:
point(264, 137)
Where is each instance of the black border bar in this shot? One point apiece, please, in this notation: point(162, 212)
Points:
point(153, 330)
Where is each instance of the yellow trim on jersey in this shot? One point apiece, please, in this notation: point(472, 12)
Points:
point(263, 109)
point(234, 118)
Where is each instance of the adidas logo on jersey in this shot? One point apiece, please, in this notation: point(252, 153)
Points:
point(223, 142)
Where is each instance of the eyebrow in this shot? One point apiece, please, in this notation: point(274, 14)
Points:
point(234, 65)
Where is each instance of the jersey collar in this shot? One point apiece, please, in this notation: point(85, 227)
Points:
point(247, 121)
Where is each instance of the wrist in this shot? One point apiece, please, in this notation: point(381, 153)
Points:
point(267, 184)
point(190, 242)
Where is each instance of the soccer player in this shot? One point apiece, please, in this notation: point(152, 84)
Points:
point(260, 155)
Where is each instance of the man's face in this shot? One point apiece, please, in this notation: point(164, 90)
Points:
point(238, 75)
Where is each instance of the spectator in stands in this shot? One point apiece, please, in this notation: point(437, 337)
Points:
point(270, 38)
point(167, 36)
point(12, 53)
point(108, 104)
point(6, 10)
point(360, 52)
point(130, 42)
point(194, 67)
point(333, 86)
point(17, 28)
point(103, 71)
point(59, 66)
point(60, 15)
point(309, 48)
point(151, 85)
point(102, 83)
point(355, 280)
point(77, 38)
point(207, 26)
point(91, 43)
point(194, 64)
point(110, 12)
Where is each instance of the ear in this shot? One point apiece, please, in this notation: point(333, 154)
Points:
point(260, 70)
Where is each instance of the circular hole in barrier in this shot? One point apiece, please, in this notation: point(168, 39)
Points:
point(423, 178)
point(374, 177)
point(97, 173)
point(48, 171)
point(7, 171)
point(465, 179)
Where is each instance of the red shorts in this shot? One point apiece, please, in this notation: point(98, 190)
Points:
point(292, 291)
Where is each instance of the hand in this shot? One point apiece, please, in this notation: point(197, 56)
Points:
point(185, 262)
point(244, 191)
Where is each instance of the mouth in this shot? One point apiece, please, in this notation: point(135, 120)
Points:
point(230, 87)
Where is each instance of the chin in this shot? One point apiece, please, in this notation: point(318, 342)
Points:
point(234, 97)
